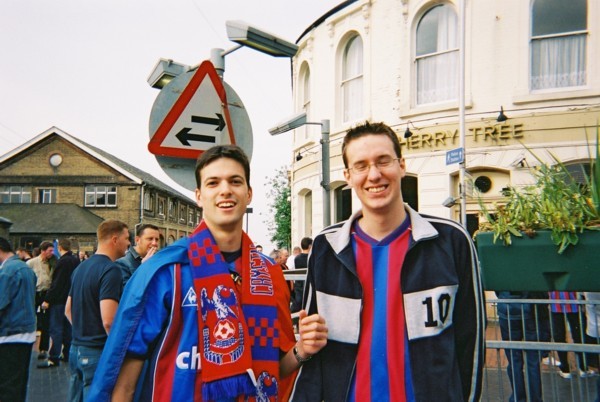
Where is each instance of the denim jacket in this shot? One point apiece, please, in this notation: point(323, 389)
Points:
point(17, 297)
point(129, 263)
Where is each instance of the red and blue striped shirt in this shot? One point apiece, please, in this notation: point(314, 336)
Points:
point(382, 370)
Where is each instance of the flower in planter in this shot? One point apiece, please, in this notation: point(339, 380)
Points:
point(555, 201)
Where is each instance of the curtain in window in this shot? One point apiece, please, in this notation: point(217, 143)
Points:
point(437, 56)
point(437, 78)
point(306, 98)
point(558, 62)
point(352, 82)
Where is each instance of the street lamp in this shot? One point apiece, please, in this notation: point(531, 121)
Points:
point(246, 35)
point(164, 71)
point(300, 120)
point(237, 31)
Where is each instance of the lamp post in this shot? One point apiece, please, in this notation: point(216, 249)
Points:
point(300, 120)
point(461, 110)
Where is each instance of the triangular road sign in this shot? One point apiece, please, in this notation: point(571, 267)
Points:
point(198, 120)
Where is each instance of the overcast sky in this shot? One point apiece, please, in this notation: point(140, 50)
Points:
point(82, 66)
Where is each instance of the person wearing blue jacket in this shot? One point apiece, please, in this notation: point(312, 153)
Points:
point(400, 292)
point(17, 324)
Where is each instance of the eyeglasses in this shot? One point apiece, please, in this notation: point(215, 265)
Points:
point(361, 168)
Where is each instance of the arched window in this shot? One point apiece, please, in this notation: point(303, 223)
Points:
point(306, 89)
point(307, 209)
point(352, 79)
point(558, 43)
point(437, 56)
point(305, 95)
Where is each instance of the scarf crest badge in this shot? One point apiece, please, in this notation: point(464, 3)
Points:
point(239, 337)
point(221, 345)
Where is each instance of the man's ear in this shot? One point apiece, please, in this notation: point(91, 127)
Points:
point(198, 196)
point(347, 177)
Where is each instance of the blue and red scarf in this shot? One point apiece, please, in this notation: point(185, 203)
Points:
point(239, 333)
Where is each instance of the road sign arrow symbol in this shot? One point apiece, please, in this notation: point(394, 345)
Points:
point(184, 137)
point(219, 121)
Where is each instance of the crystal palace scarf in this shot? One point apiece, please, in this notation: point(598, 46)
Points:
point(239, 339)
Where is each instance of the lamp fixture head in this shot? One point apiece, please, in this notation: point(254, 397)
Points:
point(501, 117)
point(244, 34)
point(449, 202)
point(407, 132)
point(299, 157)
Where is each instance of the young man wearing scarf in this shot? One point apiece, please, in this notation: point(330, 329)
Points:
point(207, 318)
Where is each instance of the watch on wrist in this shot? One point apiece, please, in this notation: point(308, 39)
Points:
point(299, 358)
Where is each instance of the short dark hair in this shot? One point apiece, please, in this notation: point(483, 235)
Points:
point(45, 245)
point(368, 128)
point(140, 229)
point(110, 227)
point(65, 244)
point(305, 243)
point(222, 151)
point(5, 245)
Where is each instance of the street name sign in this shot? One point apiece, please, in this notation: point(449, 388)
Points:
point(455, 156)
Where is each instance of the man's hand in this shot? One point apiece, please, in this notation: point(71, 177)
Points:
point(150, 253)
point(313, 334)
point(45, 306)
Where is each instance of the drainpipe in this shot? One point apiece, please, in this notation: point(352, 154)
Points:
point(141, 207)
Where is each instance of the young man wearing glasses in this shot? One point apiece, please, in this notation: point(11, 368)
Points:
point(400, 292)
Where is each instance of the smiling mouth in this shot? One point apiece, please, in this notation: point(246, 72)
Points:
point(226, 204)
point(378, 189)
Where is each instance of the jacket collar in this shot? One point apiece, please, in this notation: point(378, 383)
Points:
point(339, 237)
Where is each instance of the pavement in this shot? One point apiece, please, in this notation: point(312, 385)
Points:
point(49, 384)
point(52, 384)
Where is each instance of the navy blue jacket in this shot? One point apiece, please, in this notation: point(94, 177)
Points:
point(61, 279)
point(447, 358)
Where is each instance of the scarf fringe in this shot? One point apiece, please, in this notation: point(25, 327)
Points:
point(229, 387)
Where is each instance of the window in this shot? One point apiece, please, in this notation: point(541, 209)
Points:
point(306, 90)
point(307, 214)
point(161, 207)
point(437, 56)
point(182, 213)
point(343, 203)
point(558, 44)
point(15, 195)
point(171, 209)
point(352, 79)
point(46, 196)
point(100, 196)
point(305, 74)
point(580, 172)
point(148, 201)
point(191, 217)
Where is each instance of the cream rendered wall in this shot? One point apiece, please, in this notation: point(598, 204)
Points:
point(496, 74)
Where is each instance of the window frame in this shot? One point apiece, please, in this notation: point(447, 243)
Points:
point(108, 194)
point(11, 191)
point(448, 51)
point(347, 82)
point(534, 82)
